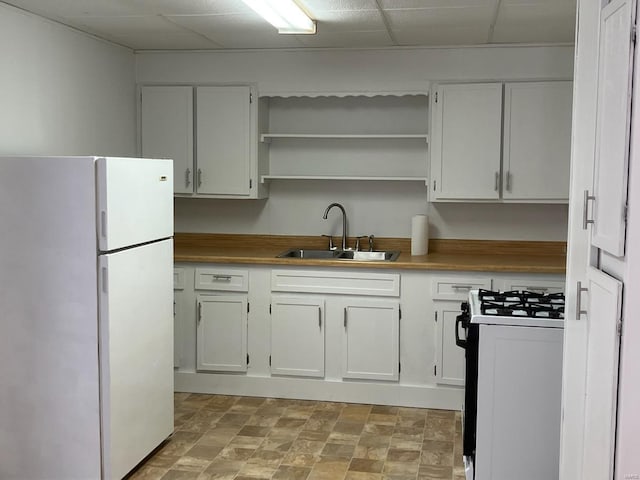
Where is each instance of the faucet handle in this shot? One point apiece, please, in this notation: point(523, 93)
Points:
point(358, 241)
point(331, 245)
point(371, 243)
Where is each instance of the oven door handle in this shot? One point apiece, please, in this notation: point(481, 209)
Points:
point(459, 341)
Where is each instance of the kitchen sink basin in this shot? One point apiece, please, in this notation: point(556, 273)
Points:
point(388, 256)
point(309, 254)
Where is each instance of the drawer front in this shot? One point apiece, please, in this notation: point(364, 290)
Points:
point(222, 279)
point(349, 283)
point(178, 278)
point(457, 288)
point(538, 286)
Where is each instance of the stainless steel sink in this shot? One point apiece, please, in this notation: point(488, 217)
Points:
point(309, 254)
point(390, 256)
point(385, 256)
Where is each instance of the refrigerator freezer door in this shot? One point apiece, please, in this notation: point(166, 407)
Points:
point(136, 353)
point(135, 201)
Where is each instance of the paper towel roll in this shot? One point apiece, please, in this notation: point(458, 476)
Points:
point(419, 235)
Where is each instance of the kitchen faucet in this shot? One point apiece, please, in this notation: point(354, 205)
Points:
point(344, 222)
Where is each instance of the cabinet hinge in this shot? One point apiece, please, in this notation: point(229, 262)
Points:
point(250, 97)
point(399, 313)
point(436, 317)
point(399, 367)
point(434, 185)
point(247, 359)
point(435, 370)
point(269, 309)
point(250, 184)
point(436, 97)
point(269, 360)
point(248, 307)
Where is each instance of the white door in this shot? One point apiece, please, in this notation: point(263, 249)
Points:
point(135, 201)
point(136, 353)
point(603, 351)
point(166, 130)
point(613, 126)
point(537, 140)
point(223, 140)
point(297, 336)
point(466, 132)
point(371, 339)
point(222, 333)
point(450, 363)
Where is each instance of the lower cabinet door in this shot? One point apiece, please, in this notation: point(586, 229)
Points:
point(449, 367)
point(222, 333)
point(371, 339)
point(297, 336)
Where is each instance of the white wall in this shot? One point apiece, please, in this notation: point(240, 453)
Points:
point(63, 92)
point(383, 209)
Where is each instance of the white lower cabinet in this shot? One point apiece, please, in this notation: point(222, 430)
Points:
point(371, 339)
point(297, 336)
point(448, 293)
point(222, 333)
point(449, 365)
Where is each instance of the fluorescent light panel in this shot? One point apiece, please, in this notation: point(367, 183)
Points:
point(285, 15)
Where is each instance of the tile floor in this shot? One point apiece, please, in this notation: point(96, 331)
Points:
point(244, 438)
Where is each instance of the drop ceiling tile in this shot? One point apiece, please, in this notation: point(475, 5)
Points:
point(191, 7)
point(72, 8)
point(345, 39)
point(417, 18)
point(401, 4)
point(313, 6)
point(174, 41)
point(349, 20)
point(437, 36)
point(545, 3)
point(551, 32)
point(236, 31)
point(127, 25)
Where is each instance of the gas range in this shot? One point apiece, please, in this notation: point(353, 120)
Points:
point(517, 307)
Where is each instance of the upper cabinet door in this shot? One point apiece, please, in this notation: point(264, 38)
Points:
point(223, 140)
point(167, 130)
point(466, 140)
point(537, 140)
point(615, 67)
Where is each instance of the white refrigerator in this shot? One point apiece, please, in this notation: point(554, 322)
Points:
point(86, 315)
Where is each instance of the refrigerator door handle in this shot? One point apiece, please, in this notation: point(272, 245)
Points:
point(103, 224)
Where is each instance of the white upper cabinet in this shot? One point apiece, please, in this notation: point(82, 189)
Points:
point(167, 130)
point(613, 127)
point(537, 140)
point(487, 148)
point(223, 132)
point(466, 129)
point(210, 132)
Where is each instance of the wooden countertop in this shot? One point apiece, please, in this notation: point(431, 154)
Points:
point(461, 255)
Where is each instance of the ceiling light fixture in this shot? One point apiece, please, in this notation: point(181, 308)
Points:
point(285, 15)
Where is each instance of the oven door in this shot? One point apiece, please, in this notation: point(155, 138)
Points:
point(469, 411)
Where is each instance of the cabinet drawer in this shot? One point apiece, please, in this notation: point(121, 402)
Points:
point(178, 278)
point(541, 286)
point(457, 288)
point(224, 279)
point(350, 283)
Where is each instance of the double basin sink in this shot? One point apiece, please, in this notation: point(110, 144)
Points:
point(355, 255)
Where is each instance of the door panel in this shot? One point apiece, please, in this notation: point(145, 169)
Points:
point(135, 201)
point(613, 126)
point(167, 130)
point(136, 353)
point(603, 351)
point(297, 337)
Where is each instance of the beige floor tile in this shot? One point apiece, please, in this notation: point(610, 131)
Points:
point(222, 437)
